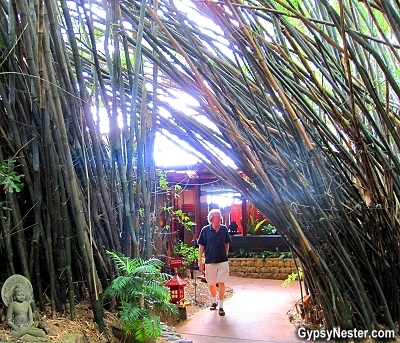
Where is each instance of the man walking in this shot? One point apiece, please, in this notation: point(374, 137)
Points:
point(214, 242)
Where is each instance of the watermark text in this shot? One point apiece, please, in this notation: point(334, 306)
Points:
point(337, 333)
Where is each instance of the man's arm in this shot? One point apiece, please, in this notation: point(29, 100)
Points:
point(200, 262)
point(227, 248)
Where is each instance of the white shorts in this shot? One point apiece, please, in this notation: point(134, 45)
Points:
point(217, 272)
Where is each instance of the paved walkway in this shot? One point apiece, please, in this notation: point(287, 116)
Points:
point(256, 313)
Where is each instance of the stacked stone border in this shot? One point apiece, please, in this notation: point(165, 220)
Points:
point(262, 268)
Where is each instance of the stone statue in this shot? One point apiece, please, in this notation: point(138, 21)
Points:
point(17, 295)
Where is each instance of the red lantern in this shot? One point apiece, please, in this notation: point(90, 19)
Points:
point(176, 288)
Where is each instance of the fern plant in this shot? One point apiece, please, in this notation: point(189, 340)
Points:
point(142, 295)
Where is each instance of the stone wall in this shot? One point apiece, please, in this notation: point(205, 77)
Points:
point(259, 268)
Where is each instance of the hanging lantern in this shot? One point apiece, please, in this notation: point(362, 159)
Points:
point(176, 288)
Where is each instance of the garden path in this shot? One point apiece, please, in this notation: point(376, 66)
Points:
point(256, 313)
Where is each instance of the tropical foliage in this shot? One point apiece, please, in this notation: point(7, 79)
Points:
point(303, 97)
point(254, 226)
point(189, 255)
point(142, 295)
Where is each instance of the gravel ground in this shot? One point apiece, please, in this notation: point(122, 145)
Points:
point(197, 293)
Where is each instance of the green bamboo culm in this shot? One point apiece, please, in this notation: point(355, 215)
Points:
point(140, 291)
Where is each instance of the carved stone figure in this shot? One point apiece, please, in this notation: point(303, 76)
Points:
point(17, 295)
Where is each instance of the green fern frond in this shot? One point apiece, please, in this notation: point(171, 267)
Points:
point(154, 262)
point(149, 270)
point(130, 312)
point(148, 327)
point(165, 307)
point(152, 327)
point(141, 290)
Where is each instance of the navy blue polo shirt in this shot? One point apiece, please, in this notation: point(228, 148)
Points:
point(214, 243)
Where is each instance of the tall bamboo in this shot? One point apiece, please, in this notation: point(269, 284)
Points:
point(303, 98)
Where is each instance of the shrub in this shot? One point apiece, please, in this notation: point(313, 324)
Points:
point(142, 294)
point(189, 256)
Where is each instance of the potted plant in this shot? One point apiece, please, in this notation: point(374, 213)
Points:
point(269, 230)
point(141, 294)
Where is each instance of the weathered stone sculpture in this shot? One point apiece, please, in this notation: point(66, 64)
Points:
point(17, 295)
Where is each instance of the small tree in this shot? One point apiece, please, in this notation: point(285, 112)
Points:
point(142, 295)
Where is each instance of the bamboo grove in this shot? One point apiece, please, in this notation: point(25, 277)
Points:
point(303, 97)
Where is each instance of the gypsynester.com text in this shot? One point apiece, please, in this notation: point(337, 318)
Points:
point(337, 333)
